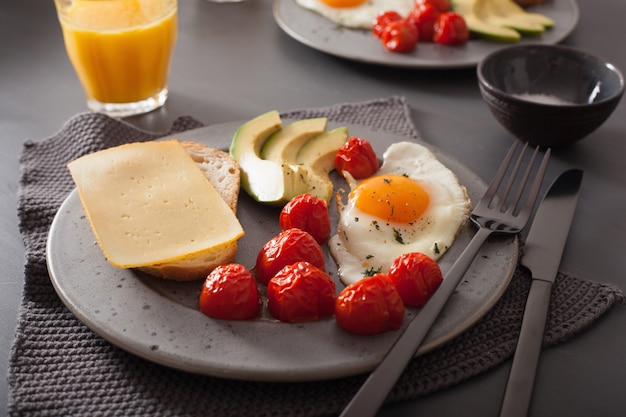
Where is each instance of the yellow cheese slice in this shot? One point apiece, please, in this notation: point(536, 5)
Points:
point(148, 203)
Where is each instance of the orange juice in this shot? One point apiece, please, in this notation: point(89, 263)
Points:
point(120, 49)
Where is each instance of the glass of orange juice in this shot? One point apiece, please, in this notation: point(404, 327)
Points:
point(121, 51)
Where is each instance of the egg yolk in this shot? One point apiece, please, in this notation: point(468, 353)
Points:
point(343, 3)
point(393, 198)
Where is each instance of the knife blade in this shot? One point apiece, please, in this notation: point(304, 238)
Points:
point(542, 256)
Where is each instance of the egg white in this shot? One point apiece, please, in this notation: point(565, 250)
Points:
point(358, 17)
point(365, 244)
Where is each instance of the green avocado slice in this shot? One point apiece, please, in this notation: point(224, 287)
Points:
point(284, 144)
point(268, 182)
point(509, 14)
point(318, 154)
point(476, 16)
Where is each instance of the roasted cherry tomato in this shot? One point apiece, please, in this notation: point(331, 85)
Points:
point(450, 29)
point(357, 157)
point(416, 276)
point(441, 5)
point(301, 292)
point(230, 293)
point(424, 16)
point(288, 247)
point(308, 213)
point(400, 36)
point(370, 306)
point(382, 20)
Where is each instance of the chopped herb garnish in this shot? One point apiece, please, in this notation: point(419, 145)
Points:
point(398, 236)
point(369, 272)
point(436, 249)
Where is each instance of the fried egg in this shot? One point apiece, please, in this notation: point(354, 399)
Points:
point(413, 203)
point(357, 14)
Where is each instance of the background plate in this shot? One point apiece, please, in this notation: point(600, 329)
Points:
point(319, 33)
point(159, 320)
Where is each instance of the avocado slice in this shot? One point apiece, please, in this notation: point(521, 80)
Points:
point(476, 14)
point(318, 154)
point(509, 14)
point(269, 182)
point(284, 144)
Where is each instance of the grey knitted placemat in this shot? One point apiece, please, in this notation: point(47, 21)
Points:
point(58, 367)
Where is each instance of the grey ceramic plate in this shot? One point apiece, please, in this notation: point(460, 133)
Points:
point(159, 320)
point(313, 30)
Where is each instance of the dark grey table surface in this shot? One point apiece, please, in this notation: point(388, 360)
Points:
point(233, 62)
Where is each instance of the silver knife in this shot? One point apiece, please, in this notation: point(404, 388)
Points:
point(542, 255)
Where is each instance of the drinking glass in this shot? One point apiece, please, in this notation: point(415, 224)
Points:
point(121, 51)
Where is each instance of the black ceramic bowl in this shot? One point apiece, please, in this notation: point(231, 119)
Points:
point(549, 95)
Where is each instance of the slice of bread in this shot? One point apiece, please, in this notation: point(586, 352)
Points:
point(224, 174)
point(194, 267)
point(220, 168)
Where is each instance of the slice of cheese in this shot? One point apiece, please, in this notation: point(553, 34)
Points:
point(148, 203)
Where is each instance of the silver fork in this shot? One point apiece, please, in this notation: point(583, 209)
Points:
point(494, 213)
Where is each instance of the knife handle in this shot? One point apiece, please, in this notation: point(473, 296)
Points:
point(519, 386)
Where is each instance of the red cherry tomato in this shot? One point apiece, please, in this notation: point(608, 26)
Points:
point(424, 17)
point(382, 20)
point(230, 293)
point(286, 248)
point(400, 36)
point(441, 5)
point(450, 29)
point(301, 292)
point(308, 213)
point(357, 157)
point(370, 306)
point(416, 276)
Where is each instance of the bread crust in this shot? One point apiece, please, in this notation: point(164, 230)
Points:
point(220, 168)
point(194, 267)
point(224, 174)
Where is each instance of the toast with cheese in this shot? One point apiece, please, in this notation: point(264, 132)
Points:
point(151, 207)
point(223, 173)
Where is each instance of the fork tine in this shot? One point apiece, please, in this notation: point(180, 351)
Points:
point(514, 205)
point(497, 179)
point(515, 202)
point(536, 186)
point(507, 189)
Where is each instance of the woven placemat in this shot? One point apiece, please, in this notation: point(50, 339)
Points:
point(58, 367)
